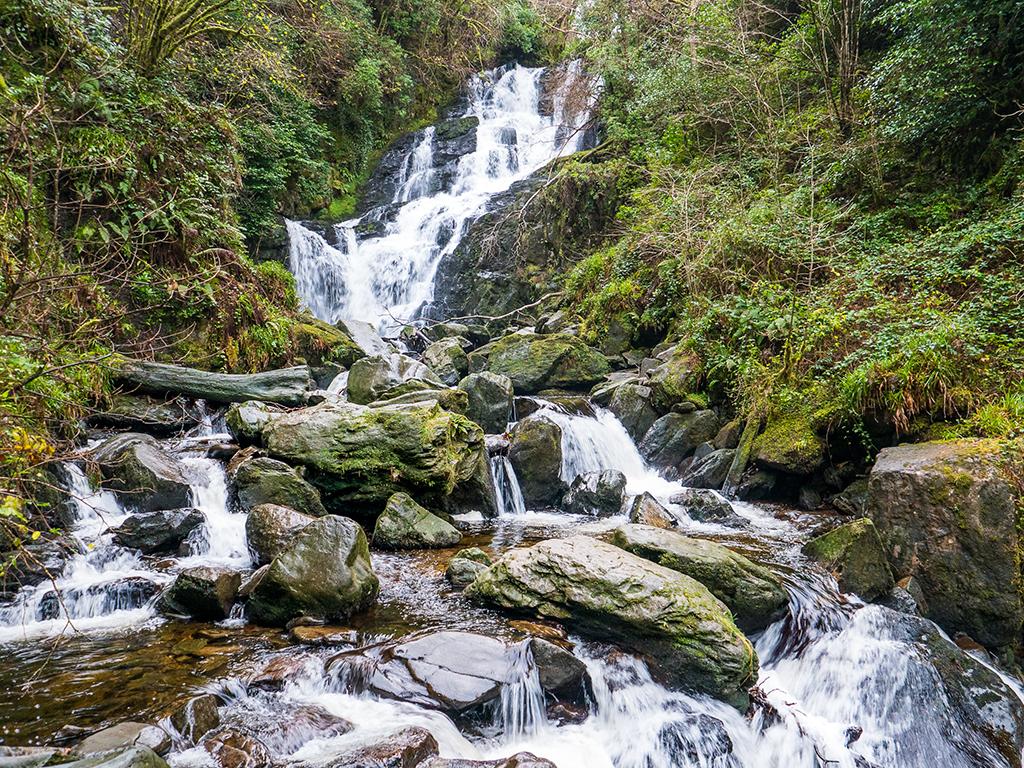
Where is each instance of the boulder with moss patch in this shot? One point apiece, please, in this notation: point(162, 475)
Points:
point(370, 377)
point(534, 362)
point(262, 480)
point(404, 524)
point(790, 444)
point(854, 554)
point(675, 377)
point(536, 455)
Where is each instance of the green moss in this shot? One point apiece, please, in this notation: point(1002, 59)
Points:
point(790, 443)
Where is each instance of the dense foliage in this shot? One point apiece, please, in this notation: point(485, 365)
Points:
point(831, 204)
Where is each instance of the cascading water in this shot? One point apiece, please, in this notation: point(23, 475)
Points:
point(387, 278)
point(508, 495)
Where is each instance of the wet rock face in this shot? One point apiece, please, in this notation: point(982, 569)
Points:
point(710, 471)
point(466, 565)
point(325, 573)
point(261, 480)
point(230, 748)
point(142, 474)
point(753, 593)
point(947, 516)
point(706, 506)
point(158, 531)
point(404, 524)
point(854, 554)
point(536, 456)
point(361, 456)
point(370, 377)
point(632, 405)
point(489, 400)
point(675, 436)
point(408, 748)
point(126, 734)
point(610, 594)
point(270, 530)
point(447, 358)
point(596, 493)
point(204, 592)
point(647, 510)
point(196, 717)
point(534, 362)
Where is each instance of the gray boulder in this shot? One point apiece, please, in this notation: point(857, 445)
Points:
point(709, 471)
point(408, 748)
point(364, 336)
point(535, 362)
point(140, 413)
point(631, 404)
point(370, 377)
point(754, 594)
point(489, 400)
point(706, 506)
point(203, 592)
point(466, 565)
point(404, 524)
point(246, 420)
point(536, 456)
point(604, 592)
point(596, 493)
point(126, 734)
point(163, 530)
point(675, 436)
point(270, 530)
point(262, 480)
point(447, 358)
point(142, 474)
point(325, 574)
point(647, 510)
point(855, 555)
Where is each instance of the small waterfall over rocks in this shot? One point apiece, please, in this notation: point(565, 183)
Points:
point(380, 267)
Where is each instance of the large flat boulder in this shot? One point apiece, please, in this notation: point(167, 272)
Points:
point(361, 456)
point(947, 515)
point(142, 474)
point(287, 386)
point(534, 362)
point(609, 594)
point(753, 593)
point(325, 573)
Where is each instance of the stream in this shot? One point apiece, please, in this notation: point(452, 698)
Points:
point(842, 684)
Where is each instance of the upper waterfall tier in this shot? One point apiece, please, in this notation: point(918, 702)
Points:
point(380, 267)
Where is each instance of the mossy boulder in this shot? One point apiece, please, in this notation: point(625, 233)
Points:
point(246, 420)
point(325, 574)
point(753, 593)
point(609, 594)
point(632, 404)
point(535, 451)
point(489, 400)
point(854, 554)
point(142, 474)
point(203, 592)
point(361, 456)
point(596, 493)
point(262, 480)
point(466, 565)
point(534, 362)
point(318, 342)
point(790, 444)
point(404, 524)
point(447, 358)
point(675, 377)
point(948, 515)
point(371, 377)
point(270, 529)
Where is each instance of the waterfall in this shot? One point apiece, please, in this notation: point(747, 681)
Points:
point(507, 493)
point(521, 706)
point(387, 278)
point(221, 540)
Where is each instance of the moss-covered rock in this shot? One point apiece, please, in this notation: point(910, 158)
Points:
point(466, 565)
point(753, 593)
point(246, 420)
point(488, 400)
point(675, 377)
point(370, 377)
point(318, 342)
point(262, 480)
point(854, 554)
point(142, 474)
point(325, 574)
point(154, 416)
point(536, 455)
point(203, 592)
point(535, 362)
point(447, 358)
point(404, 524)
point(607, 593)
point(790, 444)
point(270, 530)
point(948, 516)
point(361, 456)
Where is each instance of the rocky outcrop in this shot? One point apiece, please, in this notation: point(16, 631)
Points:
point(142, 474)
point(287, 386)
point(947, 516)
point(489, 400)
point(158, 531)
point(261, 480)
point(536, 455)
point(610, 594)
point(855, 556)
point(404, 524)
point(361, 456)
point(534, 362)
point(203, 592)
point(675, 436)
point(371, 377)
point(325, 573)
point(270, 530)
point(754, 594)
point(596, 493)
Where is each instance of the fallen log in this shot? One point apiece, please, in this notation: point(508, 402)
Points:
point(286, 386)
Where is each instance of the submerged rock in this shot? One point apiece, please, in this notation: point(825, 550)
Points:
point(610, 594)
point(325, 573)
point(854, 554)
point(535, 362)
point(753, 593)
point(596, 493)
point(162, 530)
point(203, 592)
point(947, 514)
point(261, 480)
point(489, 400)
point(230, 748)
point(404, 524)
point(196, 717)
point(536, 456)
point(371, 377)
point(270, 529)
point(142, 474)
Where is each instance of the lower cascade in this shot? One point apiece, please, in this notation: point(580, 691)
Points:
point(366, 575)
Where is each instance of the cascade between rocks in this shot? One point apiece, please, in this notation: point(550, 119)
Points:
point(842, 684)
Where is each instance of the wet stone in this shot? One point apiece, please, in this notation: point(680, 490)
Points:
point(232, 749)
